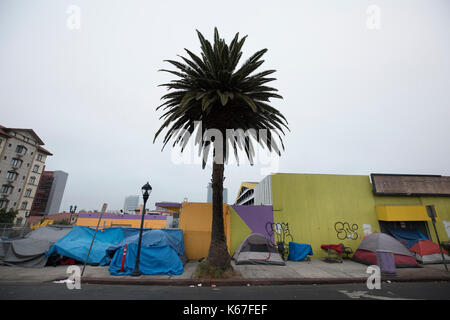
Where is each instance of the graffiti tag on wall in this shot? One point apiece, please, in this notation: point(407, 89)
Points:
point(346, 231)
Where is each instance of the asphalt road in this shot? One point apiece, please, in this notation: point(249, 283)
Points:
point(388, 291)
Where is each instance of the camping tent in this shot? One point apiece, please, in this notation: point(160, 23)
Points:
point(162, 252)
point(424, 250)
point(30, 250)
point(256, 249)
point(428, 252)
point(381, 242)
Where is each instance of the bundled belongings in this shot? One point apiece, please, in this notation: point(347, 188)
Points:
point(299, 251)
point(30, 251)
point(162, 252)
point(424, 250)
point(256, 249)
point(381, 242)
point(76, 244)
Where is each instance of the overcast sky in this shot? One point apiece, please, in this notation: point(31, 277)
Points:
point(361, 94)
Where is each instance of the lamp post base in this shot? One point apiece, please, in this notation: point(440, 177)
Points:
point(136, 273)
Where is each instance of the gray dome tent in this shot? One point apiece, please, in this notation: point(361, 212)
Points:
point(257, 249)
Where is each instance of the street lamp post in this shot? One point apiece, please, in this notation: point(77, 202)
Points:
point(146, 189)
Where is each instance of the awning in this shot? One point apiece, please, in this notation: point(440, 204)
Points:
point(403, 213)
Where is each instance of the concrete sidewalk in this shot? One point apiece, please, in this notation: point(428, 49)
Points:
point(316, 271)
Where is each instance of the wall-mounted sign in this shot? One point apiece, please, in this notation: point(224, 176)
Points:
point(410, 185)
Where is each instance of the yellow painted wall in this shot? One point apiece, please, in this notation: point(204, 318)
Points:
point(442, 205)
point(132, 223)
point(196, 221)
point(403, 213)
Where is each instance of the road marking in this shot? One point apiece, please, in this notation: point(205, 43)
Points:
point(363, 294)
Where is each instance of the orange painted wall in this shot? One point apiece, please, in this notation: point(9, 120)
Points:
point(196, 222)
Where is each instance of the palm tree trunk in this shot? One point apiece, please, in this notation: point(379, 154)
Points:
point(218, 253)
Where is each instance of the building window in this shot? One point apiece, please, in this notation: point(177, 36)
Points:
point(39, 157)
point(19, 221)
point(16, 162)
point(24, 205)
point(11, 175)
point(36, 168)
point(32, 180)
point(6, 189)
point(28, 193)
point(21, 149)
point(3, 203)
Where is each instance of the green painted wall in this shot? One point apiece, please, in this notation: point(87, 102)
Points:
point(313, 203)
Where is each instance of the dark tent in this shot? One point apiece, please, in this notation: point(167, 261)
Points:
point(30, 250)
point(257, 249)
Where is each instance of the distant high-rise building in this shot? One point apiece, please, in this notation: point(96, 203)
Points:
point(131, 204)
point(22, 161)
point(209, 194)
point(49, 192)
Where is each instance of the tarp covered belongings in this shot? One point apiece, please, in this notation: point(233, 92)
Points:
point(407, 237)
point(76, 244)
point(256, 249)
point(162, 252)
point(299, 251)
point(381, 242)
point(30, 250)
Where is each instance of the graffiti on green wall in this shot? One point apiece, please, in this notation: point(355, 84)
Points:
point(346, 231)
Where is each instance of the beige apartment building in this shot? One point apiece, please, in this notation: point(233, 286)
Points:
point(22, 161)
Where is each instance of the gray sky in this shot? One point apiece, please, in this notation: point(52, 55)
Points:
point(358, 100)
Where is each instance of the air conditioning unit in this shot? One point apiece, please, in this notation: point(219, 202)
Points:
point(27, 214)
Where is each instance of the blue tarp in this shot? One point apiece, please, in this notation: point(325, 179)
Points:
point(299, 251)
point(162, 252)
point(407, 237)
point(76, 244)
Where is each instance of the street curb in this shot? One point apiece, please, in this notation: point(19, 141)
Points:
point(252, 282)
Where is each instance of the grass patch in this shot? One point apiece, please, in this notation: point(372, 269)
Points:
point(205, 271)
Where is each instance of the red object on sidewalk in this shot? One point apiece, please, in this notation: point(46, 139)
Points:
point(123, 258)
point(335, 247)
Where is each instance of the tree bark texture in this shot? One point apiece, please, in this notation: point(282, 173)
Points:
point(218, 255)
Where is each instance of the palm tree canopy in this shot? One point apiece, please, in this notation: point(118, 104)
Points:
point(214, 91)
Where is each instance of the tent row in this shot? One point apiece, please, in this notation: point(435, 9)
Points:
point(162, 250)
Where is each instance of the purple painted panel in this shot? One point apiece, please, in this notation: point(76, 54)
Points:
point(121, 216)
point(168, 204)
point(256, 217)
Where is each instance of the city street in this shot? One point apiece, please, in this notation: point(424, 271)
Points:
point(388, 291)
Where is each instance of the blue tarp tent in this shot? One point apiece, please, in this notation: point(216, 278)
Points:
point(299, 251)
point(407, 237)
point(162, 252)
point(76, 243)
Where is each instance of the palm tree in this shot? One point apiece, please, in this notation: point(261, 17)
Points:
point(212, 92)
